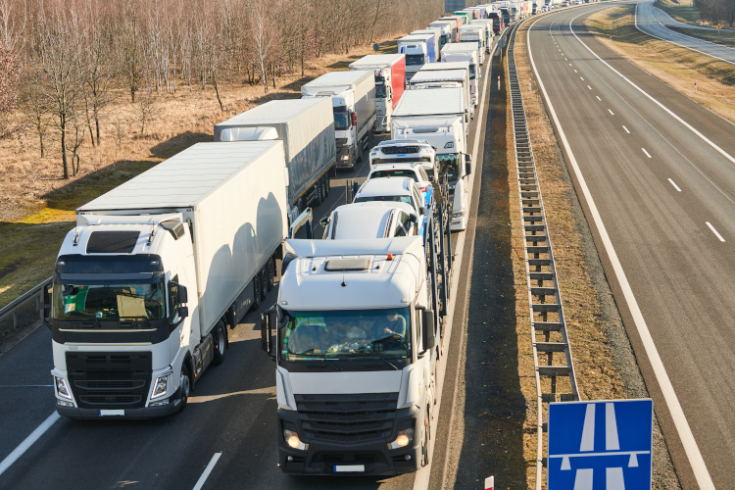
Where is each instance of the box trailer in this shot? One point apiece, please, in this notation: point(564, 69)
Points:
point(155, 270)
point(431, 79)
point(390, 81)
point(420, 49)
point(306, 128)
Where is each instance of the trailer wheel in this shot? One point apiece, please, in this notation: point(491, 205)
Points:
point(263, 283)
point(271, 271)
point(184, 385)
point(319, 191)
point(220, 343)
point(327, 184)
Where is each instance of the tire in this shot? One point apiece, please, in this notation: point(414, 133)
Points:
point(270, 273)
point(256, 291)
point(263, 284)
point(425, 443)
point(327, 183)
point(220, 343)
point(319, 193)
point(184, 385)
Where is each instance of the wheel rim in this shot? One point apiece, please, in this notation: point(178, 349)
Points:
point(184, 384)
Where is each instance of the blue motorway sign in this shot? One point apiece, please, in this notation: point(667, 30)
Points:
point(600, 445)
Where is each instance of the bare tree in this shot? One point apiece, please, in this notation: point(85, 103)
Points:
point(10, 63)
point(263, 35)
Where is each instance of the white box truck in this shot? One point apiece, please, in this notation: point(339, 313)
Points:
point(390, 82)
point(447, 30)
point(306, 128)
point(353, 104)
point(465, 52)
point(431, 79)
point(420, 49)
point(437, 33)
point(457, 65)
point(487, 25)
point(474, 35)
point(355, 347)
point(155, 271)
point(439, 117)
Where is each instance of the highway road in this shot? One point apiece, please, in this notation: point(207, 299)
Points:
point(654, 22)
point(656, 175)
point(226, 438)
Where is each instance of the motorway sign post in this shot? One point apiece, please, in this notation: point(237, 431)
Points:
point(600, 445)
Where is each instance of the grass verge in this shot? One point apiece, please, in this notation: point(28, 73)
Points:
point(681, 10)
point(604, 362)
point(678, 67)
point(726, 37)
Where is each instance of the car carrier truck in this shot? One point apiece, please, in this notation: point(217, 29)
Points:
point(306, 128)
point(353, 104)
point(154, 272)
point(390, 81)
point(354, 335)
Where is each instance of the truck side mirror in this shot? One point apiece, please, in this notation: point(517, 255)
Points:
point(183, 311)
point(467, 165)
point(267, 321)
point(427, 324)
point(183, 294)
point(46, 291)
point(422, 210)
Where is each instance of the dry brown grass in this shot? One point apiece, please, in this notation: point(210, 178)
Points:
point(37, 205)
point(677, 67)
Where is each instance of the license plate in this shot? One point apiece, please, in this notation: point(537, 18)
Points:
point(349, 468)
point(112, 413)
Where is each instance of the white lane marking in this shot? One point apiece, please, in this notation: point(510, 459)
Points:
point(421, 481)
point(611, 112)
point(28, 442)
point(647, 154)
point(626, 129)
point(675, 186)
point(681, 45)
point(696, 461)
point(598, 98)
point(203, 479)
point(589, 87)
point(672, 114)
point(575, 71)
point(719, 237)
point(570, 64)
point(581, 78)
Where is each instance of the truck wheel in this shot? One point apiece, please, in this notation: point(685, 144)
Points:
point(271, 272)
point(327, 183)
point(220, 343)
point(319, 191)
point(184, 385)
point(263, 282)
point(256, 291)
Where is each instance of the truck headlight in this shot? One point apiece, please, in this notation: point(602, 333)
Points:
point(345, 158)
point(62, 389)
point(160, 387)
point(405, 437)
point(293, 441)
point(457, 214)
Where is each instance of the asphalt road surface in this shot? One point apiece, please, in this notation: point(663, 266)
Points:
point(654, 22)
point(656, 175)
point(226, 438)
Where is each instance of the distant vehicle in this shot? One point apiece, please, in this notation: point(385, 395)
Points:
point(390, 81)
point(414, 171)
point(368, 220)
point(419, 50)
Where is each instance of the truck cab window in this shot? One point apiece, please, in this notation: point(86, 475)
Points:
point(173, 297)
point(341, 118)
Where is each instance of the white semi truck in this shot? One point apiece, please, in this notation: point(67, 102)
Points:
point(474, 35)
point(390, 81)
point(353, 103)
point(439, 117)
point(419, 49)
point(155, 271)
point(431, 79)
point(354, 336)
point(457, 65)
point(306, 128)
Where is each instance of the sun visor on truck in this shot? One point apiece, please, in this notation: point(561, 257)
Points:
point(112, 242)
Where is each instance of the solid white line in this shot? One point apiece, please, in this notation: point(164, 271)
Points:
point(675, 186)
point(203, 479)
point(611, 112)
point(719, 237)
point(570, 64)
point(581, 78)
point(647, 154)
point(669, 111)
point(626, 129)
point(696, 461)
point(589, 87)
point(681, 45)
point(28, 442)
point(598, 98)
point(575, 71)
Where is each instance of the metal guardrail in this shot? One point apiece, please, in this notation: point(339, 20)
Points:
point(24, 309)
point(546, 311)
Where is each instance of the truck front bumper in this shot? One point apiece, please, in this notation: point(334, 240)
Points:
point(370, 458)
point(123, 413)
point(346, 157)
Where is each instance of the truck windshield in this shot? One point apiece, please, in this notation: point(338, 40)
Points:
point(341, 118)
point(346, 335)
point(114, 302)
point(414, 59)
point(472, 72)
point(448, 165)
point(380, 88)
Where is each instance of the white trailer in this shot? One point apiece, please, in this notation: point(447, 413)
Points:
point(487, 25)
point(457, 65)
point(155, 270)
point(420, 49)
point(306, 128)
point(474, 35)
point(353, 104)
point(439, 117)
point(431, 79)
point(390, 81)
point(437, 33)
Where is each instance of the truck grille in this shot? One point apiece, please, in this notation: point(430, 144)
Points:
point(347, 418)
point(106, 379)
point(395, 150)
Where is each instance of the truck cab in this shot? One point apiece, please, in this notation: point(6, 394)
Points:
point(354, 339)
point(419, 50)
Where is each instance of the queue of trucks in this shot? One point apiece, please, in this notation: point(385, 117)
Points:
point(158, 270)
